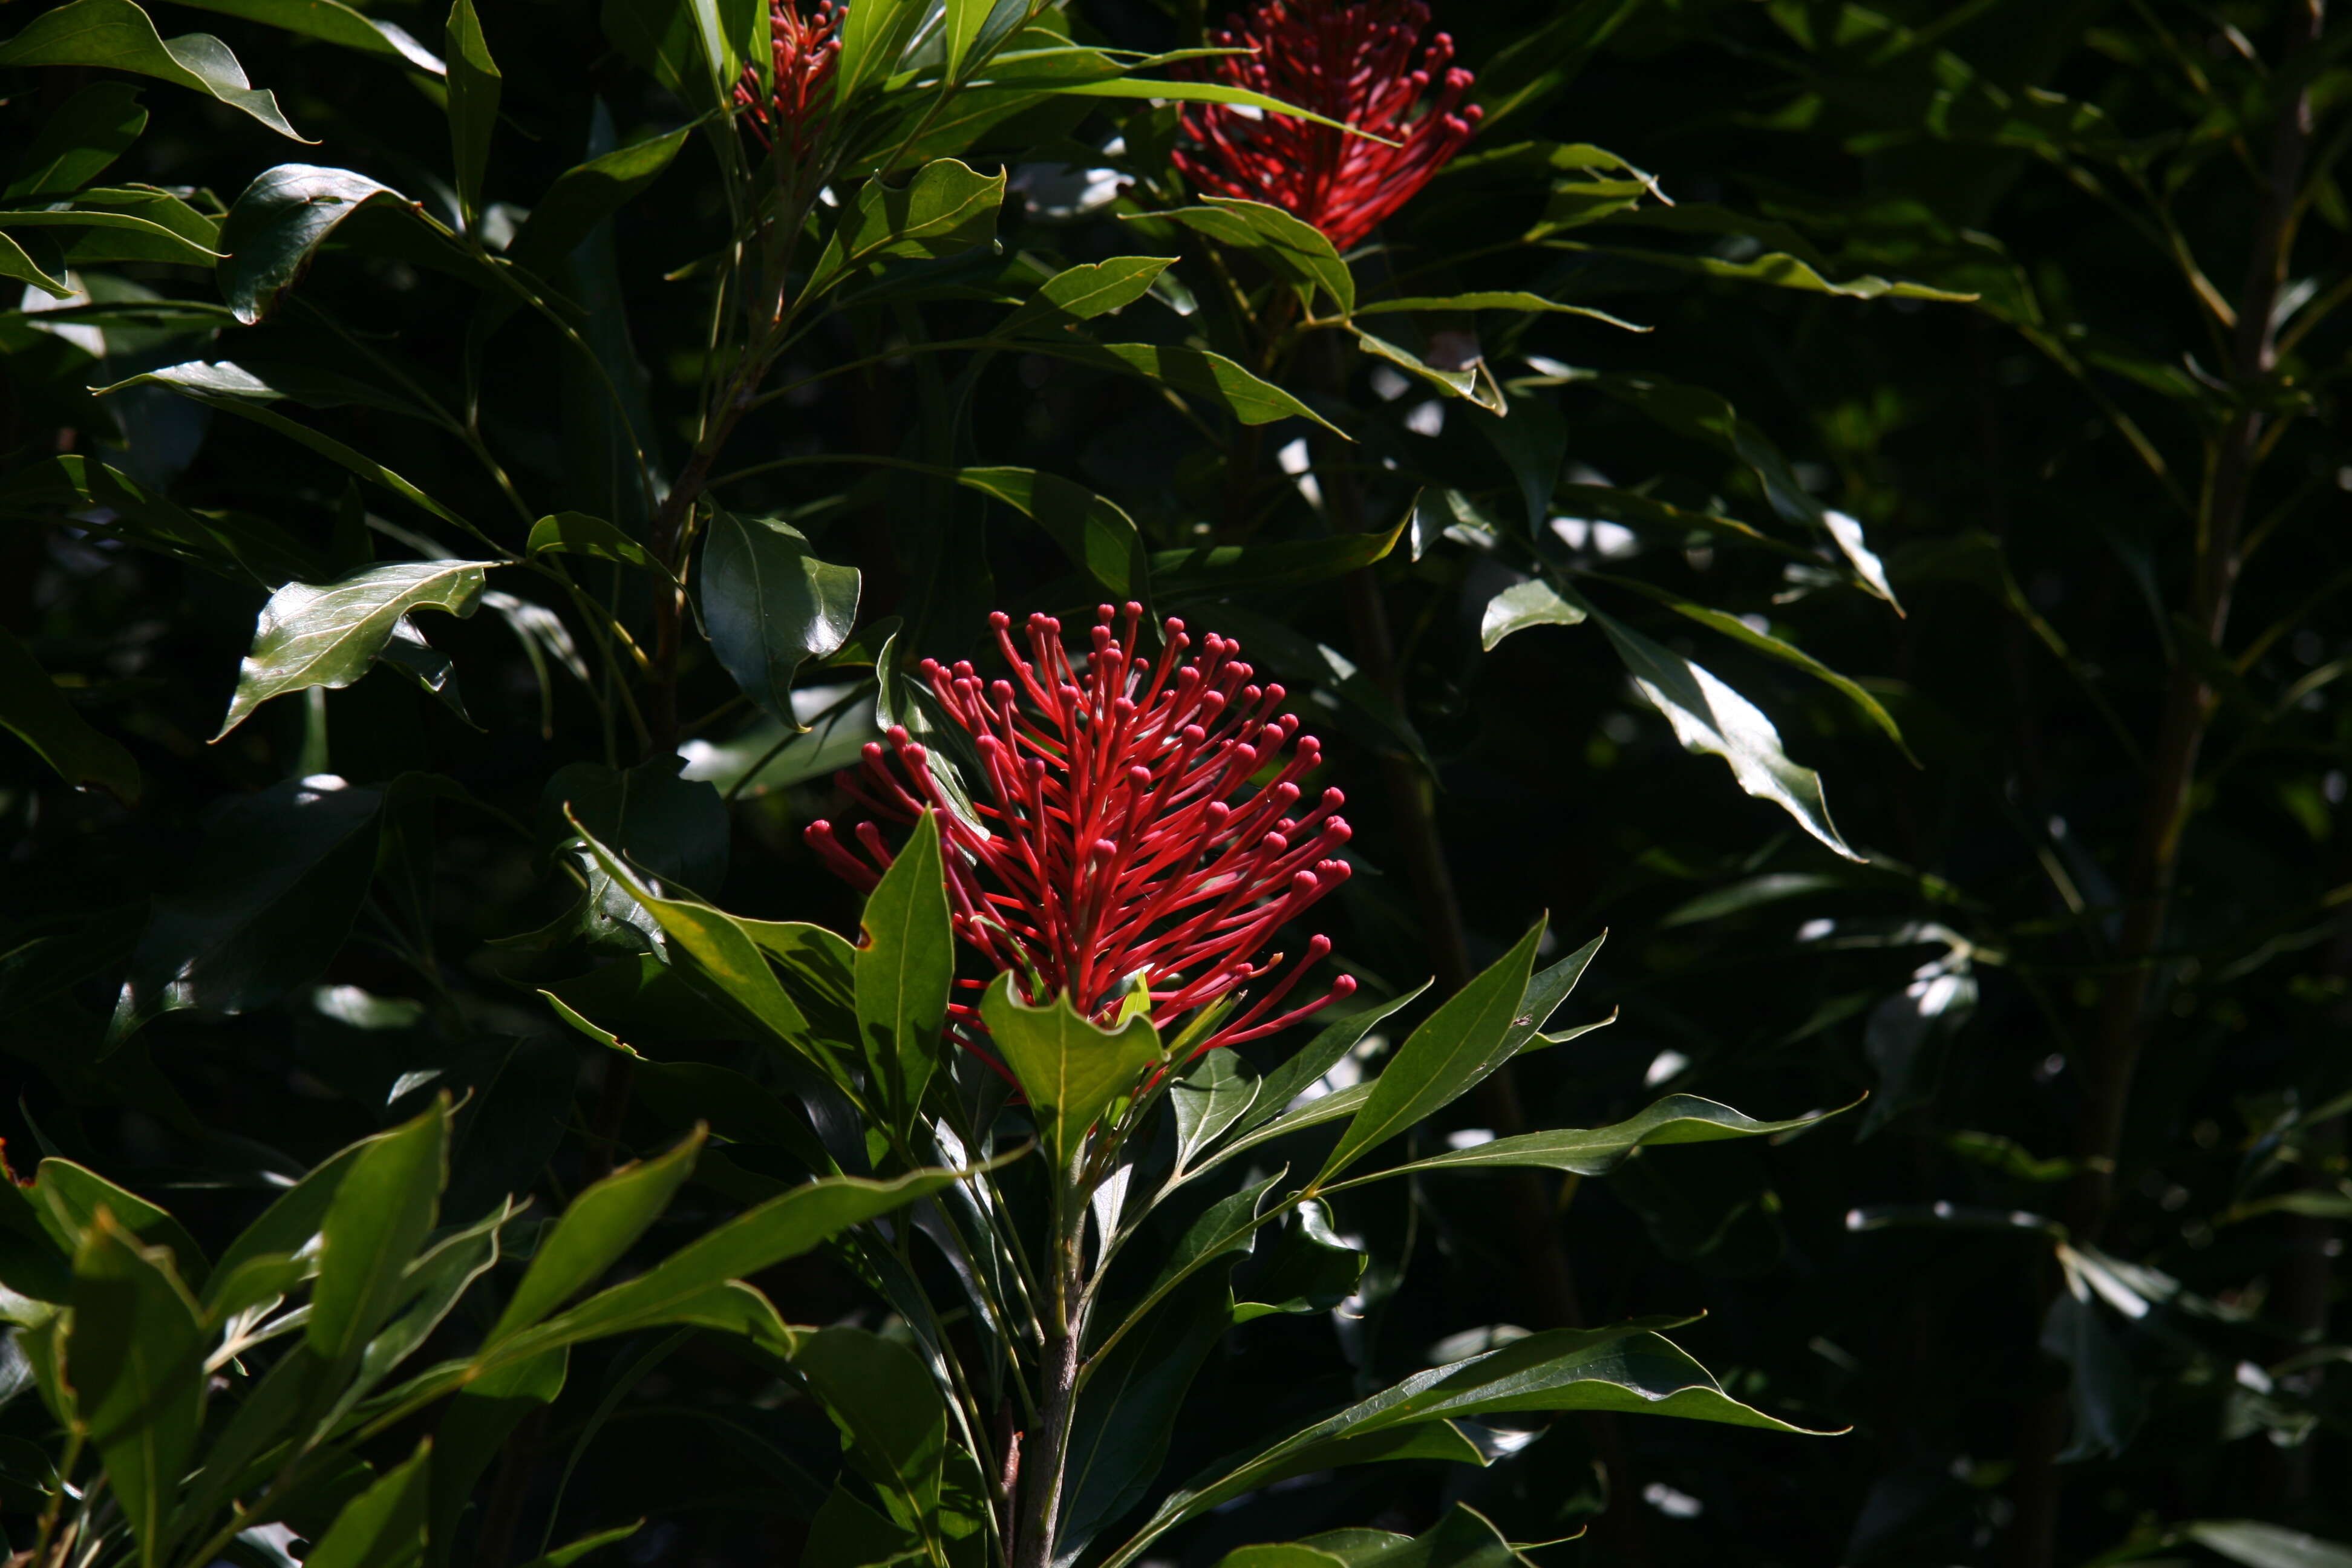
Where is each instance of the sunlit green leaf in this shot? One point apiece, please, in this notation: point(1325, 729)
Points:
point(381, 1214)
point(597, 1229)
point(1453, 1049)
point(474, 86)
point(330, 634)
point(1072, 1069)
point(116, 34)
point(137, 1353)
point(904, 967)
point(1676, 1119)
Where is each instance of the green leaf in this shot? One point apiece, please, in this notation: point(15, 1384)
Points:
point(384, 1527)
point(1462, 1538)
point(261, 907)
point(429, 1289)
point(772, 606)
point(691, 1285)
point(723, 951)
point(675, 828)
point(1708, 717)
point(577, 533)
point(871, 43)
point(14, 263)
point(239, 390)
point(37, 712)
point(1292, 563)
point(380, 1215)
point(1320, 1055)
point(1533, 603)
point(68, 1197)
point(905, 964)
point(598, 1229)
point(2258, 1545)
point(585, 195)
point(1082, 292)
point(1195, 373)
point(1072, 1069)
point(1280, 1554)
point(1732, 627)
point(474, 86)
point(137, 1355)
point(1596, 1152)
point(79, 141)
point(946, 208)
point(1475, 384)
point(1305, 1268)
point(894, 1427)
point(1493, 299)
point(1628, 1368)
point(565, 1555)
point(328, 634)
point(125, 225)
point(278, 224)
point(287, 1226)
point(1209, 92)
point(1452, 1052)
point(962, 19)
point(115, 35)
point(1097, 536)
point(1298, 252)
point(331, 22)
point(1780, 271)
point(1209, 1101)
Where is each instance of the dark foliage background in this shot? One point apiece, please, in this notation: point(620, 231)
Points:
point(2037, 469)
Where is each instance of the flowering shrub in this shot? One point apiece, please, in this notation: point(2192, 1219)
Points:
point(681, 678)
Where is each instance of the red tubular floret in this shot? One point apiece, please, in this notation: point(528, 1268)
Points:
point(1120, 835)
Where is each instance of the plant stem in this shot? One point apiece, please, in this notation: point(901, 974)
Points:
point(1057, 1371)
point(2112, 1062)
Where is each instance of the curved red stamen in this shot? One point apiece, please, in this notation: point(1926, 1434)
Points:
point(1352, 63)
point(1114, 837)
point(803, 53)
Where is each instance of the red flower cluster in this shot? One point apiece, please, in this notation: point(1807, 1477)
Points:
point(1346, 62)
point(1108, 843)
point(803, 54)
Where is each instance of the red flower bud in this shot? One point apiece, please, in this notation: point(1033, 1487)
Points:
point(1114, 835)
point(1352, 63)
point(803, 54)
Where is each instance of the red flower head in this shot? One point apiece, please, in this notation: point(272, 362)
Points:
point(803, 53)
point(1346, 62)
point(1109, 842)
